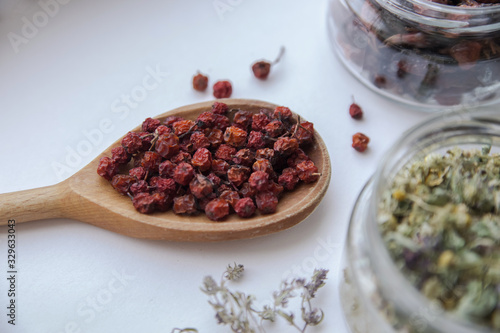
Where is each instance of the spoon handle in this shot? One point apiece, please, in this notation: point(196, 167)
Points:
point(36, 204)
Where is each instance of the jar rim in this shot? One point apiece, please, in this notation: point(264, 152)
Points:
point(453, 19)
point(486, 122)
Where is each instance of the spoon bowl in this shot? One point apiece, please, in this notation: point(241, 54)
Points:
point(89, 198)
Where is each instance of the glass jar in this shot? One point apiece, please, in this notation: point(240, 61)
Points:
point(425, 54)
point(376, 297)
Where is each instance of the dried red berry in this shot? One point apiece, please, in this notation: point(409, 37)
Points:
point(230, 196)
point(122, 183)
point(304, 132)
point(120, 155)
point(216, 137)
point(206, 119)
point(360, 142)
point(132, 142)
point(220, 108)
point(183, 126)
point(264, 165)
point(223, 89)
point(266, 202)
point(183, 173)
point(202, 159)
point(238, 174)
point(307, 171)
point(274, 129)
point(265, 153)
point(107, 168)
point(200, 82)
point(261, 69)
point(243, 119)
point(244, 157)
point(185, 204)
point(166, 169)
point(150, 161)
point(286, 146)
point(138, 172)
point(259, 180)
point(288, 179)
point(140, 186)
point(144, 203)
point(220, 167)
point(355, 111)
point(217, 209)
point(162, 201)
point(163, 185)
point(225, 152)
point(282, 113)
point(246, 191)
point(167, 145)
point(256, 140)
point(245, 207)
point(162, 129)
point(201, 186)
point(150, 125)
point(235, 136)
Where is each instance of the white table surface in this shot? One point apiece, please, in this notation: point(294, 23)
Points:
point(60, 81)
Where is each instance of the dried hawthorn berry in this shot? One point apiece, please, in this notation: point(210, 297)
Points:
point(259, 121)
point(150, 161)
point(286, 146)
point(164, 185)
point(183, 126)
point(216, 181)
point(217, 209)
point(244, 157)
point(202, 159)
point(206, 119)
point(216, 137)
point(200, 186)
point(182, 156)
point(235, 136)
point(200, 82)
point(259, 180)
point(266, 202)
point(263, 164)
point(225, 152)
point(282, 113)
point(297, 157)
point(220, 108)
point(144, 203)
point(274, 129)
point(261, 69)
point(167, 145)
point(166, 169)
point(304, 132)
point(120, 155)
point(183, 173)
point(203, 202)
point(288, 179)
point(222, 89)
point(150, 125)
point(238, 174)
point(265, 153)
point(162, 201)
point(256, 140)
point(243, 119)
point(307, 171)
point(230, 196)
point(246, 191)
point(162, 129)
point(122, 183)
point(245, 207)
point(107, 168)
point(360, 142)
point(185, 204)
point(220, 167)
point(138, 172)
point(355, 111)
point(199, 140)
point(147, 140)
point(221, 122)
point(132, 142)
point(275, 188)
point(140, 186)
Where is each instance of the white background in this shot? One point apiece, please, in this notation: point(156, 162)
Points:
point(71, 74)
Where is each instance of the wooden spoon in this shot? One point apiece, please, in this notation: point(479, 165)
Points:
point(87, 197)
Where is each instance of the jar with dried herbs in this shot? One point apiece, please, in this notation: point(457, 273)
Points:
point(427, 54)
point(423, 248)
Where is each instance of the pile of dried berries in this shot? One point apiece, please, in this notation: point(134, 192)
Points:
point(417, 58)
point(212, 164)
